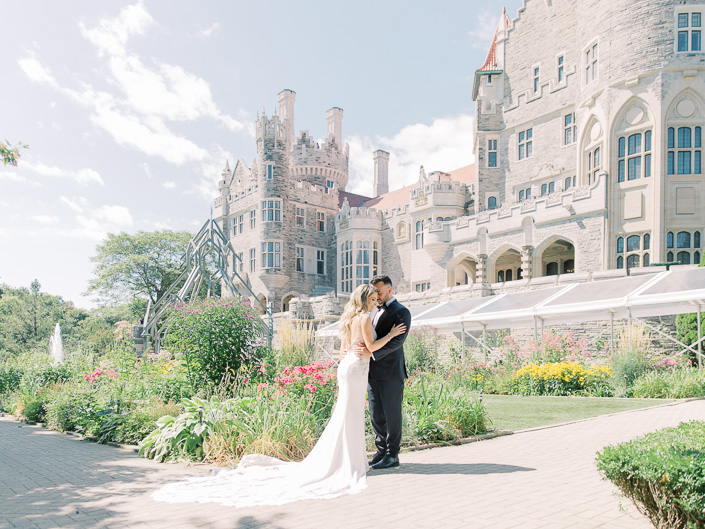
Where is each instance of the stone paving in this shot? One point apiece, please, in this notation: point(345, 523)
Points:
point(532, 479)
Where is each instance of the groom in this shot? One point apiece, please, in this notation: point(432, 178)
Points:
point(385, 387)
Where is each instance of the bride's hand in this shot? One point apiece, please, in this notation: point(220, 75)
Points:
point(397, 330)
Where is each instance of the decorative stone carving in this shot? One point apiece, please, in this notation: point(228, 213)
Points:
point(421, 199)
point(685, 108)
point(401, 230)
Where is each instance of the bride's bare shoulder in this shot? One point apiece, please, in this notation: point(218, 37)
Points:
point(364, 318)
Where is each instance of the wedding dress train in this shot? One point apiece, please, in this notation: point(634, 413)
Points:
point(337, 465)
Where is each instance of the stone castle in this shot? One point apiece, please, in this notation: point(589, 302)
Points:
point(588, 164)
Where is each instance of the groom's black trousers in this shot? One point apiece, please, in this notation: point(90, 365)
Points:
point(385, 397)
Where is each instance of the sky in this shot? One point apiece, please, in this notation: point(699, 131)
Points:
point(130, 110)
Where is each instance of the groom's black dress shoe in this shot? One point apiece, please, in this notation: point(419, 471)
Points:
point(376, 458)
point(387, 462)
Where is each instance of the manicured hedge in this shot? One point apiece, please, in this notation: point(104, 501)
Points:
point(663, 473)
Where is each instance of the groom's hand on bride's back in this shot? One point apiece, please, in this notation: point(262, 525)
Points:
point(361, 351)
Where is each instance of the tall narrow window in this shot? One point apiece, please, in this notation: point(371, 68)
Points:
point(521, 195)
point(240, 262)
point(299, 259)
point(647, 241)
point(419, 234)
point(620, 245)
point(525, 144)
point(300, 217)
point(669, 239)
point(561, 74)
point(492, 203)
point(270, 172)
point(696, 258)
point(253, 259)
point(544, 189)
point(569, 129)
point(536, 79)
point(591, 64)
point(491, 153)
point(241, 223)
point(568, 183)
point(375, 259)
point(321, 221)
point(253, 218)
point(633, 261)
point(320, 262)
point(551, 187)
point(669, 257)
point(696, 239)
point(362, 260)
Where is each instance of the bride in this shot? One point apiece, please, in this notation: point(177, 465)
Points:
point(337, 465)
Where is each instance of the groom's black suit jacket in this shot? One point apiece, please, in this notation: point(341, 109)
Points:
point(388, 362)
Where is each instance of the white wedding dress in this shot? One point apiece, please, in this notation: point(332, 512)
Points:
point(337, 465)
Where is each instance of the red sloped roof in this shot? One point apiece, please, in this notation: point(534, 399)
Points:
point(353, 199)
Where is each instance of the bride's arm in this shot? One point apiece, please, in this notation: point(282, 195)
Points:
point(369, 336)
point(344, 345)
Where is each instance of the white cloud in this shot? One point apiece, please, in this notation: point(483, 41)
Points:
point(210, 171)
point(485, 28)
point(116, 215)
point(111, 35)
point(212, 30)
point(169, 185)
point(76, 205)
point(145, 167)
point(146, 96)
point(14, 177)
point(444, 145)
point(81, 176)
point(45, 219)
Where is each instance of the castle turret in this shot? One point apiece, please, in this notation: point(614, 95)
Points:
point(381, 182)
point(335, 126)
point(286, 113)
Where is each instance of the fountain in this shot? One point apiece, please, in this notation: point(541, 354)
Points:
point(56, 348)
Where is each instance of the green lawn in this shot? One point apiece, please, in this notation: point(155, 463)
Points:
point(513, 412)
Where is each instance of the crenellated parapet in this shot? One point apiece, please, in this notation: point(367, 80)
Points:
point(319, 163)
point(358, 219)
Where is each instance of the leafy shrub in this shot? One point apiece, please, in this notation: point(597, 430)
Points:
point(421, 349)
point(434, 413)
point(10, 378)
point(42, 376)
point(560, 378)
point(72, 407)
point(680, 383)
point(215, 337)
point(663, 473)
point(627, 366)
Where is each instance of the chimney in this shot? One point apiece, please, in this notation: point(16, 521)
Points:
point(381, 183)
point(335, 126)
point(286, 113)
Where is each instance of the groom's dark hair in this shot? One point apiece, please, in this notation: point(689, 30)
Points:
point(384, 279)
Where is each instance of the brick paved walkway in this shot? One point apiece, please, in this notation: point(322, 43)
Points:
point(539, 478)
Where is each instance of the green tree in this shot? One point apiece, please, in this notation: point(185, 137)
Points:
point(143, 265)
point(11, 154)
point(28, 317)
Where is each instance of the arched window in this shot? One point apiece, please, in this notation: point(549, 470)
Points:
point(669, 240)
point(633, 243)
point(683, 257)
point(508, 275)
point(696, 239)
point(492, 203)
point(696, 258)
point(551, 187)
point(500, 276)
point(620, 245)
point(683, 239)
point(647, 259)
point(569, 266)
point(552, 269)
point(647, 241)
point(633, 261)
point(544, 189)
point(568, 183)
point(519, 272)
point(594, 163)
point(439, 219)
point(669, 257)
point(620, 262)
point(521, 195)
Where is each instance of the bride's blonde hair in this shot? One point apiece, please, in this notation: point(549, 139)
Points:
point(356, 306)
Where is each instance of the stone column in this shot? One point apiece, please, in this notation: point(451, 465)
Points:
point(481, 269)
point(526, 261)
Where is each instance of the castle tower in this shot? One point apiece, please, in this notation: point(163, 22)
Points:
point(335, 125)
point(381, 182)
point(286, 114)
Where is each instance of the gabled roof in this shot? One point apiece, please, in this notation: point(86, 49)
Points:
point(353, 200)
